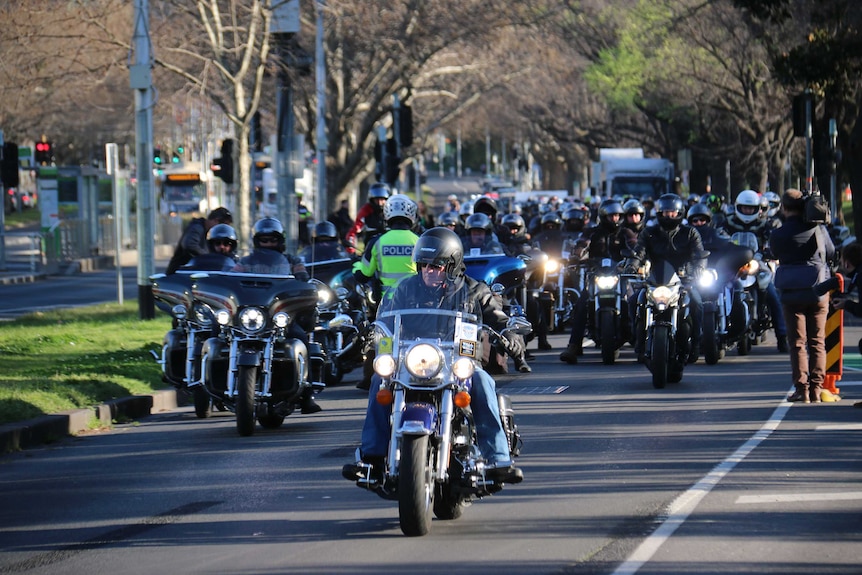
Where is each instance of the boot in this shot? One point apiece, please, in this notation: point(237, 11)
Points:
point(570, 355)
point(521, 365)
point(814, 394)
point(544, 345)
point(782, 344)
point(800, 395)
point(307, 404)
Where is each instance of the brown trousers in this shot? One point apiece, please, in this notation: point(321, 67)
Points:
point(806, 336)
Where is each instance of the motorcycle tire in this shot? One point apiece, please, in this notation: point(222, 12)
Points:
point(608, 340)
point(203, 402)
point(246, 380)
point(415, 486)
point(448, 505)
point(270, 421)
point(660, 356)
point(710, 344)
point(743, 347)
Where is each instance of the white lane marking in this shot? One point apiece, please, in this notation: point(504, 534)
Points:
point(840, 427)
point(683, 505)
point(798, 497)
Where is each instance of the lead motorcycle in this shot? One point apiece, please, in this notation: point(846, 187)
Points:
point(608, 323)
point(426, 359)
point(664, 324)
point(756, 286)
point(257, 365)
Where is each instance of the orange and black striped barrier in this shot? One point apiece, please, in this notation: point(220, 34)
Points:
point(834, 344)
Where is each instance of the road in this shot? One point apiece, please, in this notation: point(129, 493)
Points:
point(715, 474)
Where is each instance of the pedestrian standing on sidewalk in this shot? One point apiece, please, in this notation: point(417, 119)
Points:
point(804, 250)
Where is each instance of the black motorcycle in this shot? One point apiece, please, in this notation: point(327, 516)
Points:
point(258, 365)
point(608, 323)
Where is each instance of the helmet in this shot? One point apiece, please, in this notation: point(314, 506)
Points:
point(379, 190)
point(669, 203)
point(399, 206)
point(747, 206)
point(552, 221)
point(325, 231)
point(222, 232)
point(606, 210)
point(774, 201)
point(515, 224)
point(713, 202)
point(268, 227)
point(479, 222)
point(440, 247)
point(486, 205)
point(466, 210)
point(700, 210)
point(448, 219)
point(693, 199)
point(574, 219)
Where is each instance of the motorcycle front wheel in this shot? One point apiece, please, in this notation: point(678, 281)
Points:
point(608, 342)
point(659, 356)
point(415, 486)
point(246, 380)
point(709, 341)
point(203, 402)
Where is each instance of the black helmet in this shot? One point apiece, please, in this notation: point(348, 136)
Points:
point(379, 190)
point(487, 206)
point(606, 210)
point(479, 222)
point(552, 221)
point(222, 232)
point(268, 227)
point(440, 247)
point(669, 203)
point(574, 219)
point(448, 219)
point(699, 209)
point(633, 206)
point(515, 223)
point(325, 231)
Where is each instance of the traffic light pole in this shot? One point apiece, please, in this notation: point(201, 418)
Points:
point(140, 78)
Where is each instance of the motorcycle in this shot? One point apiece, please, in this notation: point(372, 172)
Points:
point(510, 272)
point(756, 286)
point(257, 364)
point(343, 328)
point(180, 357)
point(559, 293)
point(727, 321)
point(608, 324)
point(664, 324)
point(426, 359)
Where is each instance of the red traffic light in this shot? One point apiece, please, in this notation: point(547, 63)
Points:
point(43, 147)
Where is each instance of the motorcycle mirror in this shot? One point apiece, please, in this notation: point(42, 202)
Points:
point(498, 289)
point(519, 325)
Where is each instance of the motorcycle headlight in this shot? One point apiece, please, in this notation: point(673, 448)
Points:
point(663, 296)
point(252, 319)
point(223, 317)
point(179, 312)
point(384, 365)
point(552, 266)
point(607, 282)
point(707, 278)
point(753, 267)
point(281, 319)
point(203, 314)
point(423, 360)
point(463, 368)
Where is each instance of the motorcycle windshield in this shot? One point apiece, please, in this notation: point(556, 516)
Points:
point(413, 316)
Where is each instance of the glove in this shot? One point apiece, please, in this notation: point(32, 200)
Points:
point(514, 345)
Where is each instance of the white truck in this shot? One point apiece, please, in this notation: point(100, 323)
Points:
point(625, 172)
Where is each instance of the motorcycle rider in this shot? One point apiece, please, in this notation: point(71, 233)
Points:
point(515, 238)
point(442, 283)
point(369, 220)
point(268, 257)
point(388, 258)
point(550, 238)
point(634, 216)
point(479, 236)
point(679, 245)
point(324, 245)
point(605, 240)
point(193, 242)
point(222, 242)
point(746, 217)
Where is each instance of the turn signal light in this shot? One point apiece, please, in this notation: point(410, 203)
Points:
point(462, 399)
point(384, 396)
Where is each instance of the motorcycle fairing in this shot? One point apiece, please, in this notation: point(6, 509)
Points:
point(417, 419)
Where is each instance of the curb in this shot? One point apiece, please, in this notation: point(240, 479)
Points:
point(50, 428)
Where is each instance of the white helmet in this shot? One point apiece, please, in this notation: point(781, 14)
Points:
point(747, 206)
point(399, 206)
point(774, 203)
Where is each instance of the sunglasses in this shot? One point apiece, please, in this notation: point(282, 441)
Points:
point(223, 243)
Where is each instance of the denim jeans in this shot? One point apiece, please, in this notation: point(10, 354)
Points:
point(486, 414)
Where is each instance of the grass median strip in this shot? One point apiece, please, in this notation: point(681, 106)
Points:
point(77, 358)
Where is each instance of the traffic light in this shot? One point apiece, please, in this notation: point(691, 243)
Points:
point(177, 156)
point(157, 156)
point(405, 126)
point(9, 165)
point(223, 166)
point(44, 153)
